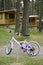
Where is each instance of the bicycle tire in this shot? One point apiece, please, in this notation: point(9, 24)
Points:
point(35, 45)
point(8, 49)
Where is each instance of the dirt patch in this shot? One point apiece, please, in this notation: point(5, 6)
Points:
point(16, 64)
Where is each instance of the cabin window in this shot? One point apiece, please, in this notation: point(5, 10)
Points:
point(11, 16)
point(0, 16)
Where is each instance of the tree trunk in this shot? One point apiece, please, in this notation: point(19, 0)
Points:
point(32, 6)
point(17, 16)
point(25, 17)
point(41, 14)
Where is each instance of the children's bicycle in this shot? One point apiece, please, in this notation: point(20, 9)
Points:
point(32, 48)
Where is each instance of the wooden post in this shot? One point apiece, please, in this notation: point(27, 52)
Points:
point(3, 18)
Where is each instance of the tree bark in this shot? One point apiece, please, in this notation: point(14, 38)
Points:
point(25, 17)
point(41, 15)
point(17, 15)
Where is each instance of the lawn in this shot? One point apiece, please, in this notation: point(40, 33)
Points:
point(4, 36)
point(23, 60)
point(35, 35)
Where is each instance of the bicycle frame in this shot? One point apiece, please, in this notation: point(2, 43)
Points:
point(23, 46)
point(13, 39)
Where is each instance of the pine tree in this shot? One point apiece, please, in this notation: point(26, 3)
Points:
point(25, 17)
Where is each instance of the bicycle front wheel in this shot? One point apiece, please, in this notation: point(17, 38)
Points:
point(8, 49)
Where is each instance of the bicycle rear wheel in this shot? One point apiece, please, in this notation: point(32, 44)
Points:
point(35, 48)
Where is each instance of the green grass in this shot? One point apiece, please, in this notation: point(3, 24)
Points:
point(4, 36)
point(35, 35)
point(6, 60)
point(23, 60)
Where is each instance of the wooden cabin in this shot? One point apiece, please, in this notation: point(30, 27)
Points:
point(7, 17)
point(33, 20)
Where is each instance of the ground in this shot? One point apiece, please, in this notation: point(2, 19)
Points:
point(17, 51)
point(16, 64)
